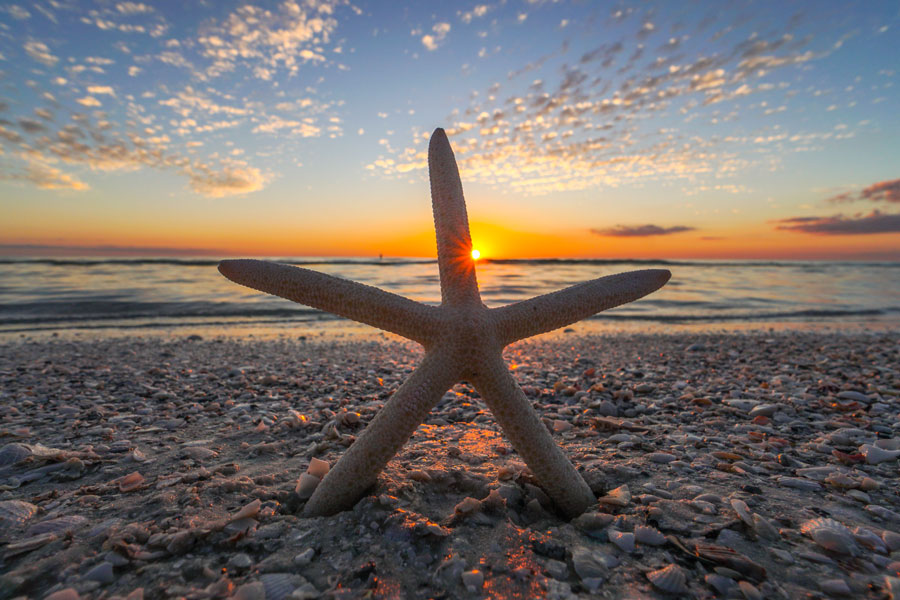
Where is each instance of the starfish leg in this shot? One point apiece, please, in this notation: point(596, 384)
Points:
point(564, 307)
point(360, 465)
point(451, 224)
point(532, 441)
point(350, 299)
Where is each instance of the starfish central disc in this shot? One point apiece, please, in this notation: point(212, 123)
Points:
point(463, 340)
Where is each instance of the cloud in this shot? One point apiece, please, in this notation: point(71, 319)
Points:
point(883, 191)
point(431, 42)
point(266, 40)
point(606, 115)
point(16, 12)
point(875, 222)
point(88, 101)
point(230, 181)
point(133, 8)
point(640, 230)
point(45, 177)
point(476, 13)
point(100, 90)
point(40, 52)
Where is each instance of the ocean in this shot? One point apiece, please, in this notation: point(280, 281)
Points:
point(180, 295)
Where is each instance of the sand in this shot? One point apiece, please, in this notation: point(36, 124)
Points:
point(735, 465)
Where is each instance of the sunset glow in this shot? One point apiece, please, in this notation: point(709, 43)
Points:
point(476, 254)
point(581, 130)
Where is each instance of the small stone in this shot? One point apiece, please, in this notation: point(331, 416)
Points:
point(240, 561)
point(103, 573)
point(66, 594)
point(661, 457)
point(473, 580)
point(251, 591)
point(835, 587)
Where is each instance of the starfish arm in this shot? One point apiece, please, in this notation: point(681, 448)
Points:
point(532, 441)
point(360, 465)
point(564, 307)
point(451, 224)
point(350, 299)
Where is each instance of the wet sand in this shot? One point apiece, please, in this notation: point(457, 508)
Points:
point(734, 465)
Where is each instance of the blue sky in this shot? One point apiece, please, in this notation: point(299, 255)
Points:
point(214, 124)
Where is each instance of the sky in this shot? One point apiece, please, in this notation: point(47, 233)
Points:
point(582, 129)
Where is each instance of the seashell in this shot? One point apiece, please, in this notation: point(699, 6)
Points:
point(891, 540)
point(841, 481)
point(14, 513)
point(240, 526)
point(58, 525)
point(648, 535)
point(743, 511)
point(888, 443)
point(670, 579)
point(884, 513)
point(279, 586)
point(831, 535)
point(892, 587)
point(251, 591)
point(623, 541)
point(727, 557)
point(130, 482)
point(13, 453)
point(317, 468)
point(592, 523)
point(869, 540)
point(29, 544)
point(66, 594)
point(247, 511)
point(875, 455)
point(764, 528)
point(750, 591)
point(720, 583)
point(589, 569)
point(468, 505)
point(620, 496)
point(306, 485)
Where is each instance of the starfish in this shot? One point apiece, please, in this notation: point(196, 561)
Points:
point(463, 341)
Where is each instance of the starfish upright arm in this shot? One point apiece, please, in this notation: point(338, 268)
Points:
point(349, 299)
point(360, 465)
point(451, 224)
point(532, 441)
point(558, 309)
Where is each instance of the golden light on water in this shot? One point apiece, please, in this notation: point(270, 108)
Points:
point(476, 254)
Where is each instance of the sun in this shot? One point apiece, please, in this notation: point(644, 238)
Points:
point(476, 254)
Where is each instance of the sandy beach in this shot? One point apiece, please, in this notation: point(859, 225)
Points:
point(757, 465)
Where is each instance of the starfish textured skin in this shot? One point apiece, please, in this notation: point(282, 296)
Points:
point(463, 340)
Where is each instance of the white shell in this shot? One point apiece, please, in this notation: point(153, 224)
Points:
point(58, 525)
point(831, 535)
point(875, 455)
point(648, 535)
point(13, 453)
point(743, 511)
point(278, 586)
point(623, 541)
point(620, 496)
point(317, 468)
point(306, 485)
point(14, 513)
point(669, 579)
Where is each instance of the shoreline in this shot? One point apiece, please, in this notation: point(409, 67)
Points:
point(720, 438)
